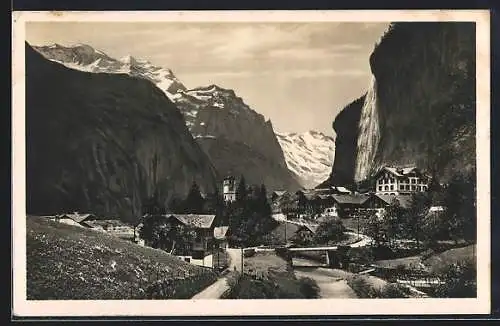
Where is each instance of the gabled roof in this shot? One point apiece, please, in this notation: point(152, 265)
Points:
point(220, 232)
point(280, 192)
point(404, 200)
point(342, 189)
point(78, 218)
point(198, 221)
point(350, 199)
point(399, 172)
point(313, 228)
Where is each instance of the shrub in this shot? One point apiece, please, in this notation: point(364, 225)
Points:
point(309, 288)
point(459, 281)
point(363, 289)
point(272, 287)
point(248, 252)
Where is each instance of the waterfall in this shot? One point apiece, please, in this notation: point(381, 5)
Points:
point(369, 134)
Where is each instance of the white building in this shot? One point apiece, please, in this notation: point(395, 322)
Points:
point(229, 189)
point(400, 181)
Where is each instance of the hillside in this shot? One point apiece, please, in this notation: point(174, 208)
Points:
point(308, 155)
point(210, 111)
point(104, 143)
point(419, 108)
point(246, 143)
point(65, 262)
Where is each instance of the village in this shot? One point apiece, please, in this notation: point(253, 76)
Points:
point(318, 232)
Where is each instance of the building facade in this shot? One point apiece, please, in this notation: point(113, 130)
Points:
point(400, 181)
point(229, 189)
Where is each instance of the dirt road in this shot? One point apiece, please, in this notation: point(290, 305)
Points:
point(331, 283)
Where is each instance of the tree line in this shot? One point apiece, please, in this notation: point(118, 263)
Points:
point(456, 222)
point(248, 217)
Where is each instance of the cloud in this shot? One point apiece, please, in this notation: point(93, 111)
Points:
point(290, 73)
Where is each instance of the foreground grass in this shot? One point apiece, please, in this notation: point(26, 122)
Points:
point(67, 262)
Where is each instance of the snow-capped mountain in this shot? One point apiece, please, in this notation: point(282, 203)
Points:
point(237, 139)
point(308, 155)
point(85, 58)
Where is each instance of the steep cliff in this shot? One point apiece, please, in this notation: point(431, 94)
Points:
point(210, 111)
point(104, 142)
point(237, 139)
point(420, 107)
point(345, 126)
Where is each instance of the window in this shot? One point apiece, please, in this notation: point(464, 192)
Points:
point(413, 181)
point(380, 188)
point(413, 187)
point(407, 187)
point(386, 187)
point(424, 188)
point(392, 187)
point(187, 259)
point(419, 188)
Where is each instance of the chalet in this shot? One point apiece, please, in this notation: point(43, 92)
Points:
point(396, 181)
point(350, 205)
point(220, 235)
point(203, 226)
point(198, 252)
point(76, 219)
point(403, 200)
point(305, 233)
point(277, 194)
point(114, 227)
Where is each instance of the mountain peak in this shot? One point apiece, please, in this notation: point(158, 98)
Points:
point(128, 59)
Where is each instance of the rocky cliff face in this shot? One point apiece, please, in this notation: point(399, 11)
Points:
point(104, 142)
point(237, 139)
point(208, 112)
point(420, 107)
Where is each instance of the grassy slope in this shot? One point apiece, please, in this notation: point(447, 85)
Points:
point(68, 262)
point(438, 262)
point(434, 263)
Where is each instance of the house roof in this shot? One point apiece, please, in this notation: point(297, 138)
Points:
point(108, 223)
point(280, 192)
point(350, 199)
point(342, 189)
point(77, 217)
point(397, 171)
point(404, 200)
point(311, 227)
point(195, 220)
point(220, 232)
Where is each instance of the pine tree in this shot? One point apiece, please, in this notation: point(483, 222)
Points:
point(241, 191)
point(194, 200)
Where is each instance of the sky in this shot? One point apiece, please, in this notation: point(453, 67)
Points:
point(299, 75)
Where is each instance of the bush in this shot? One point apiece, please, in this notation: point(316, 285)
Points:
point(460, 281)
point(274, 287)
point(309, 288)
point(363, 289)
point(248, 252)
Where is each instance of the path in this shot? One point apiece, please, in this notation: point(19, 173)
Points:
point(331, 284)
point(218, 288)
point(214, 291)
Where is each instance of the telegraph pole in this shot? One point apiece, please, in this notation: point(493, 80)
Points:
point(242, 259)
